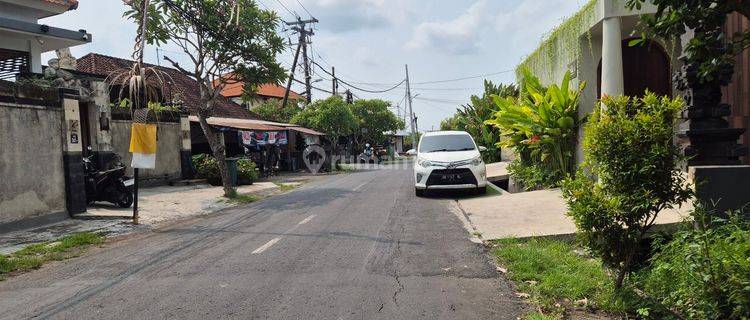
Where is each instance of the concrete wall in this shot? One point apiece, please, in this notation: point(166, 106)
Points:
point(32, 181)
point(169, 142)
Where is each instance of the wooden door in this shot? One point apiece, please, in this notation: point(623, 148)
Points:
point(645, 67)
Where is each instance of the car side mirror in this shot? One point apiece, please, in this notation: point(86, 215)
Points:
point(412, 152)
point(482, 148)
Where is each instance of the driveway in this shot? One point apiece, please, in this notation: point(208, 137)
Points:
point(355, 246)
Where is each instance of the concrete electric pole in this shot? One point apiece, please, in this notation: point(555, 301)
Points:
point(300, 27)
point(411, 112)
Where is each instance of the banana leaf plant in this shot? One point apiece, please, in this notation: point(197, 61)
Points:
point(541, 125)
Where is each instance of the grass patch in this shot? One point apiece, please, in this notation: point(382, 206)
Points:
point(538, 316)
point(551, 272)
point(492, 191)
point(285, 186)
point(342, 167)
point(243, 198)
point(560, 277)
point(34, 256)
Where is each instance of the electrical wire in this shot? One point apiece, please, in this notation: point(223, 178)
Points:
point(314, 87)
point(465, 78)
point(439, 100)
point(294, 14)
point(358, 88)
point(303, 7)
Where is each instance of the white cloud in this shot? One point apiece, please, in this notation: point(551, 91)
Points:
point(527, 23)
point(354, 15)
point(457, 36)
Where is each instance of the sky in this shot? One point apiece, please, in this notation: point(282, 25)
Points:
point(370, 41)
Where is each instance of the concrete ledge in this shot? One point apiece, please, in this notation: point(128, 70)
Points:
point(539, 213)
point(33, 222)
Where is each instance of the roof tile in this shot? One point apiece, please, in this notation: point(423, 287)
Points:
point(185, 86)
point(267, 90)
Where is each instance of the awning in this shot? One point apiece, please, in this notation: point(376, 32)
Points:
point(307, 131)
point(241, 124)
point(256, 125)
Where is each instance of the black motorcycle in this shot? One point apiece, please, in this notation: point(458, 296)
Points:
point(109, 185)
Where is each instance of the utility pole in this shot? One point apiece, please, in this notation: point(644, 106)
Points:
point(334, 81)
point(300, 27)
point(411, 113)
point(308, 85)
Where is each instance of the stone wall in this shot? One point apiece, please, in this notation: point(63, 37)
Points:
point(32, 182)
point(169, 142)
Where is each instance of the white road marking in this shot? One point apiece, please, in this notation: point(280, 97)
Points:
point(360, 186)
point(274, 240)
point(306, 220)
point(266, 246)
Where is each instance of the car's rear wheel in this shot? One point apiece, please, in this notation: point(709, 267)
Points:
point(419, 192)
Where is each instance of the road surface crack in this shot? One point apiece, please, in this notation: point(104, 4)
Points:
point(397, 252)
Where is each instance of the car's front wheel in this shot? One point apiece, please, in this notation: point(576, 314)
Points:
point(419, 192)
point(480, 190)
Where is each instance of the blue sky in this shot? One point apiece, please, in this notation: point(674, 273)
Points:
point(370, 41)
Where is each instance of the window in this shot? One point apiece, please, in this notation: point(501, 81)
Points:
point(13, 63)
point(453, 142)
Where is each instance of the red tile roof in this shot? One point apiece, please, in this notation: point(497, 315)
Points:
point(185, 86)
point(268, 90)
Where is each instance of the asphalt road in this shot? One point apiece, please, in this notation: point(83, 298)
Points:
point(353, 246)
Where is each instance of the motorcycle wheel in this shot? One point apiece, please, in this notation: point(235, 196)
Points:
point(125, 201)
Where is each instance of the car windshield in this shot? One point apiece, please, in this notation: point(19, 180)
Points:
point(440, 143)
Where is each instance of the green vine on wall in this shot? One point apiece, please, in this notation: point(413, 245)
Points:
point(562, 43)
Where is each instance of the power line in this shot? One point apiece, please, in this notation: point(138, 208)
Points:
point(440, 100)
point(466, 78)
point(358, 88)
point(303, 7)
point(314, 87)
point(294, 14)
point(446, 89)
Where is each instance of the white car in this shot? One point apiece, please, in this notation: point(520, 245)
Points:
point(448, 160)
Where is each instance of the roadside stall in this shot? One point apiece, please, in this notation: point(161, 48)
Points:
point(273, 146)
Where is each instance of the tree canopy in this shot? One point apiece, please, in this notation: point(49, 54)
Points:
point(331, 116)
point(373, 119)
point(225, 40)
point(272, 110)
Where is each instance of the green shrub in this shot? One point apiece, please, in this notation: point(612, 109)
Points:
point(207, 168)
point(704, 272)
point(629, 149)
point(542, 127)
point(246, 170)
point(532, 176)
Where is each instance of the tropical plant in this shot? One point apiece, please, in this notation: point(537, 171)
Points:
point(471, 118)
point(373, 120)
point(272, 110)
point(541, 126)
point(220, 37)
point(331, 116)
point(704, 271)
point(629, 175)
point(451, 123)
